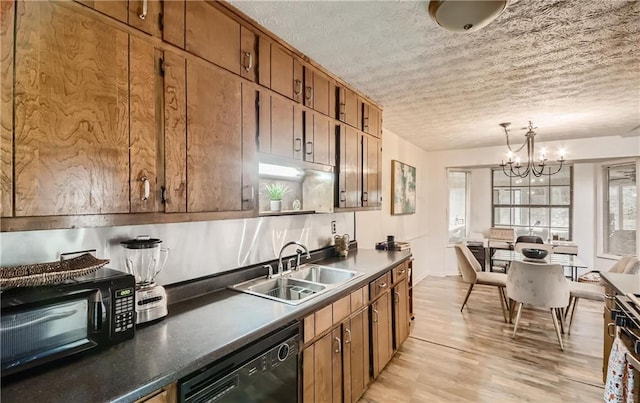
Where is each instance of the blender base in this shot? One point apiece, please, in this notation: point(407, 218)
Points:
point(151, 303)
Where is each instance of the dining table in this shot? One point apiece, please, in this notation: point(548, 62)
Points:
point(572, 262)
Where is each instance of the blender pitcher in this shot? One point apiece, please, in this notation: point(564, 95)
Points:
point(144, 258)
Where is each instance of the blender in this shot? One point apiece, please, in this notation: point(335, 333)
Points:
point(144, 259)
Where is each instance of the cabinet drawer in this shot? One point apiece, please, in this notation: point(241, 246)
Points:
point(380, 285)
point(323, 319)
point(341, 309)
point(359, 298)
point(399, 272)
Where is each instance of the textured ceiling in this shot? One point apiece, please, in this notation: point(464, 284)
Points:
point(573, 67)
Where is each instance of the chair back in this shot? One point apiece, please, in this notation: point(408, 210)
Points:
point(541, 285)
point(626, 264)
point(467, 263)
point(529, 239)
point(528, 245)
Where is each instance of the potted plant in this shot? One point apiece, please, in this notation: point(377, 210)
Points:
point(276, 191)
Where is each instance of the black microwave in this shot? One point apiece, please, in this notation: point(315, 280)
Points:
point(39, 325)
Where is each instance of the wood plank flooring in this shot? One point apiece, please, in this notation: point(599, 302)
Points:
point(470, 356)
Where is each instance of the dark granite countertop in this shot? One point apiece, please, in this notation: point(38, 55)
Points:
point(622, 283)
point(195, 333)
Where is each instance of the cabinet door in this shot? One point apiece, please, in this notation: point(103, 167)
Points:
point(381, 330)
point(371, 172)
point(145, 103)
point(6, 108)
point(282, 73)
point(173, 22)
point(213, 35)
point(608, 338)
point(145, 15)
point(175, 132)
point(348, 107)
point(356, 356)
point(308, 93)
point(264, 62)
point(71, 146)
point(371, 119)
point(298, 132)
point(348, 172)
point(323, 141)
point(401, 312)
point(264, 122)
point(281, 127)
point(214, 140)
point(321, 93)
point(298, 81)
point(322, 373)
point(249, 148)
point(248, 54)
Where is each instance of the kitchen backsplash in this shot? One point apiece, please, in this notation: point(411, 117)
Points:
point(197, 249)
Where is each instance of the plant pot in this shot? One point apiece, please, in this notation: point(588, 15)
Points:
point(276, 205)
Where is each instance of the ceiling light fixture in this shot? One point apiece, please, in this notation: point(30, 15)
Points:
point(465, 15)
point(537, 168)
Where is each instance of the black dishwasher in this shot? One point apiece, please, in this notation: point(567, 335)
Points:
point(264, 371)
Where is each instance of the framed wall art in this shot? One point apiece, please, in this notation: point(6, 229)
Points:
point(403, 188)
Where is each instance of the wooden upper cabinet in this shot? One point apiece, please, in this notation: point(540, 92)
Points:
point(175, 133)
point(264, 122)
point(298, 133)
point(316, 90)
point(348, 107)
point(371, 119)
point(281, 127)
point(6, 108)
point(264, 62)
point(298, 81)
point(71, 146)
point(319, 139)
point(145, 103)
point(118, 9)
point(214, 140)
point(248, 54)
point(349, 178)
point(213, 35)
point(283, 79)
point(145, 15)
point(372, 172)
point(249, 148)
point(173, 22)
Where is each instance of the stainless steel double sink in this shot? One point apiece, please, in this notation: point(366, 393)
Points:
point(298, 286)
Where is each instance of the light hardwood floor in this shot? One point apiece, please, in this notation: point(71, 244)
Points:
point(470, 356)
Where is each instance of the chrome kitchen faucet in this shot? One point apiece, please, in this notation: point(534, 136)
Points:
point(298, 252)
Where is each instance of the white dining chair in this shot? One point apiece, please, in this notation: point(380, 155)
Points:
point(540, 285)
point(472, 273)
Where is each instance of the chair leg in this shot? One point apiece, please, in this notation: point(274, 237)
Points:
point(569, 307)
point(512, 308)
point(515, 326)
point(502, 304)
point(555, 324)
point(560, 316)
point(467, 297)
point(573, 312)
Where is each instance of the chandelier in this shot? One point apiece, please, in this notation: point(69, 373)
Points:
point(513, 167)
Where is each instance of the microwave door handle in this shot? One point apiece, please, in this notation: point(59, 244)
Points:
point(96, 317)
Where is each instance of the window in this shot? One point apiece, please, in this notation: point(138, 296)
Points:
point(534, 206)
point(620, 209)
point(458, 205)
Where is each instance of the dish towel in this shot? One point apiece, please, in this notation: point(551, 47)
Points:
point(620, 377)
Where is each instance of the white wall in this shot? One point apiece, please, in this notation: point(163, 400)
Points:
point(374, 226)
point(580, 152)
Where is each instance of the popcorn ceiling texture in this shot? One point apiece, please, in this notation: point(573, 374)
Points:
point(573, 67)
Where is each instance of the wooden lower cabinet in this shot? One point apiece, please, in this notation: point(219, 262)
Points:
point(381, 332)
point(168, 394)
point(355, 333)
point(322, 369)
point(609, 328)
point(401, 315)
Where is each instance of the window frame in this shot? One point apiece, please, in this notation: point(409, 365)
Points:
point(548, 206)
point(467, 201)
point(602, 205)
